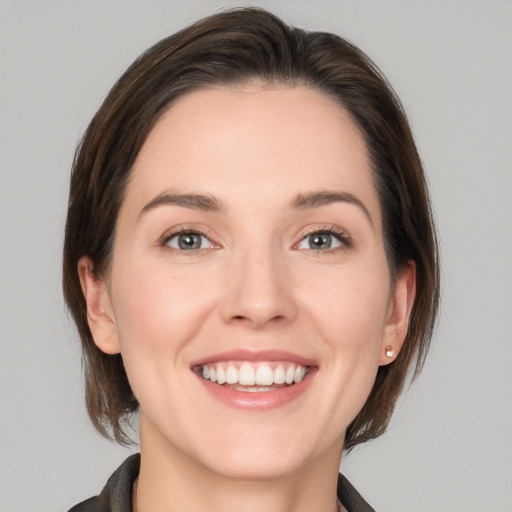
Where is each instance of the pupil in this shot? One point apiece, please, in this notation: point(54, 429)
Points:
point(189, 241)
point(320, 241)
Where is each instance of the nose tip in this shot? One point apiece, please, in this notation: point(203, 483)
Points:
point(258, 295)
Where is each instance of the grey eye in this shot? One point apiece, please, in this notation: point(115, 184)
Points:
point(189, 241)
point(321, 241)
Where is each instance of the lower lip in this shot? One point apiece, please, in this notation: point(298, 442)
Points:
point(259, 400)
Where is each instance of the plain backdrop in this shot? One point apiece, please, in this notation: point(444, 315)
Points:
point(449, 447)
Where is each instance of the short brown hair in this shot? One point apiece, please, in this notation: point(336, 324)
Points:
point(232, 48)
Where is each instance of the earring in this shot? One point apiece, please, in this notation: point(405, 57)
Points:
point(390, 351)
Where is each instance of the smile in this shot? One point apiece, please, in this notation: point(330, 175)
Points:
point(255, 380)
point(253, 377)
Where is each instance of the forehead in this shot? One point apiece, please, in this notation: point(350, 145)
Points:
point(267, 142)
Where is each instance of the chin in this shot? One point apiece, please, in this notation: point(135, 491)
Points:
point(246, 466)
point(256, 456)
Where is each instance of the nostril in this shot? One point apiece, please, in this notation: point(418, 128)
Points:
point(260, 321)
point(256, 322)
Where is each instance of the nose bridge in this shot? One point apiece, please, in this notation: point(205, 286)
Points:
point(258, 291)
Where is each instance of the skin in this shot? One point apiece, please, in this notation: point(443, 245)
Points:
point(256, 283)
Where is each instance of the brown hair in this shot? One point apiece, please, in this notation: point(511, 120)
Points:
point(230, 48)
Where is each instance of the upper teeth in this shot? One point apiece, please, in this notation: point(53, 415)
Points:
point(247, 374)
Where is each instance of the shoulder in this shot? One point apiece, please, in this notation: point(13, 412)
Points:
point(117, 493)
point(350, 498)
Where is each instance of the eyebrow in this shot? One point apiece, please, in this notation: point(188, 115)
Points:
point(209, 203)
point(326, 197)
point(193, 201)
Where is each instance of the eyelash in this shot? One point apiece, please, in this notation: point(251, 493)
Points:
point(184, 231)
point(339, 234)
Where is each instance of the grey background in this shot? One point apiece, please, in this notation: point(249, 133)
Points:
point(450, 444)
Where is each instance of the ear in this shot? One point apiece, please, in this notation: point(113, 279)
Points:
point(400, 306)
point(100, 314)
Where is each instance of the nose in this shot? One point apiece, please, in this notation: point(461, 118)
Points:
point(259, 292)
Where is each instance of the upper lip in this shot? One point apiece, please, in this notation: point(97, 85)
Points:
point(255, 356)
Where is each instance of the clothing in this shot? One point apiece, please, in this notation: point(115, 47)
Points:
point(116, 496)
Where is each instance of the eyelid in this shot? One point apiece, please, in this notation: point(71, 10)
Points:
point(339, 233)
point(184, 229)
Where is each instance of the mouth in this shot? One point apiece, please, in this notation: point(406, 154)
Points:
point(255, 380)
point(253, 377)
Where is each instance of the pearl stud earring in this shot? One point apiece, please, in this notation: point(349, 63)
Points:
point(390, 351)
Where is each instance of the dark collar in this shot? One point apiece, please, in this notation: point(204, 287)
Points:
point(350, 498)
point(116, 496)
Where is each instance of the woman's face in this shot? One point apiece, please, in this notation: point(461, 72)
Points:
point(249, 254)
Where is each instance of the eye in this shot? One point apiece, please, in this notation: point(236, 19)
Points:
point(324, 240)
point(189, 241)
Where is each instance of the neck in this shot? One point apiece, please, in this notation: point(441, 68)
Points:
point(171, 481)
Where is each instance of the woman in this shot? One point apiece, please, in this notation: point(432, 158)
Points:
point(251, 263)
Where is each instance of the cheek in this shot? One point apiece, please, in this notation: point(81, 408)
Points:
point(351, 309)
point(351, 315)
point(157, 313)
point(159, 309)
